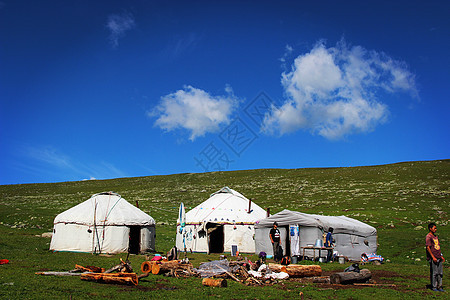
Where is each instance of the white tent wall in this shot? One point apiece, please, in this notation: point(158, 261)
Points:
point(71, 237)
point(308, 237)
point(194, 241)
point(263, 243)
point(147, 240)
point(240, 235)
point(352, 245)
point(108, 239)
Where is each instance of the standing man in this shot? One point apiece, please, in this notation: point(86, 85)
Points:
point(274, 235)
point(329, 243)
point(435, 258)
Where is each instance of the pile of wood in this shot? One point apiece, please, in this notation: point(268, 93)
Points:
point(173, 268)
point(124, 274)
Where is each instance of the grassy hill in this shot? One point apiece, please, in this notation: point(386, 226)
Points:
point(398, 199)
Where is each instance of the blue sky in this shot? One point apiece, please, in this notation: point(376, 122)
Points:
point(108, 89)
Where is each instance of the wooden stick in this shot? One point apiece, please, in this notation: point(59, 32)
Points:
point(229, 274)
point(375, 284)
point(50, 273)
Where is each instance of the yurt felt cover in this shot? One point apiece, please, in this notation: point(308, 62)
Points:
point(106, 209)
point(225, 207)
point(101, 223)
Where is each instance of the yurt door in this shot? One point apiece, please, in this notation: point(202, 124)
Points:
point(134, 239)
point(215, 237)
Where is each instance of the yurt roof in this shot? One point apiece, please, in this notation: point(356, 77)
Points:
point(226, 206)
point(106, 208)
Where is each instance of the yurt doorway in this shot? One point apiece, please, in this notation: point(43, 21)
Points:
point(215, 237)
point(134, 240)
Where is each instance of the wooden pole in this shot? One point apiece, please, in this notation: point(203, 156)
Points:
point(51, 273)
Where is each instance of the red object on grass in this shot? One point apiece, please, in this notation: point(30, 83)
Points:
point(4, 261)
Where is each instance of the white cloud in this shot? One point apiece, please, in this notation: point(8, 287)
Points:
point(195, 110)
point(118, 25)
point(332, 91)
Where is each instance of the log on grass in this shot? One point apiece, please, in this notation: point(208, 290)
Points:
point(146, 266)
point(297, 270)
point(351, 277)
point(164, 267)
point(214, 282)
point(117, 278)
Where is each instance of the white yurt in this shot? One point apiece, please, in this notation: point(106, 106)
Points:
point(105, 223)
point(223, 223)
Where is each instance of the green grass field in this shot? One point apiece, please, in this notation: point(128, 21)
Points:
point(398, 199)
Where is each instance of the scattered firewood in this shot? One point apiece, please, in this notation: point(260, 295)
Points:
point(252, 280)
point(118, 278)
point(92, 269)
point(164, 267)
point(229, 274)
point(351, 277)
point(214, 282)
point(297, 270)
point(122, 267)
point(243, 272)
